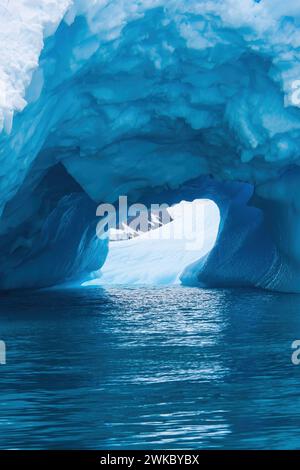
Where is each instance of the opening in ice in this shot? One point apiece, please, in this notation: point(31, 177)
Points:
point(160, 254)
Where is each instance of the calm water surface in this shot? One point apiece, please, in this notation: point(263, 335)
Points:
point(149, 368)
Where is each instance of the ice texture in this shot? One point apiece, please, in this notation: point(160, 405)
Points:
point(143, 98)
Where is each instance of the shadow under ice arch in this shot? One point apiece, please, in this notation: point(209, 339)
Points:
point(151, 100)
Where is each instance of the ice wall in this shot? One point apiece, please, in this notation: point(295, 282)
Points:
point(141, 98)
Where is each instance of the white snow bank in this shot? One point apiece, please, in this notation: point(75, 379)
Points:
point(160, 256)
point(23, 26)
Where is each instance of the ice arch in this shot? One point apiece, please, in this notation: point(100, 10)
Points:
point(150, 99)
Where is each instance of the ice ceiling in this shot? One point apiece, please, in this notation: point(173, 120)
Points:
point(153, 99)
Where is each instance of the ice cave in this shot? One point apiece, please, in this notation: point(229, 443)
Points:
point(161, 101)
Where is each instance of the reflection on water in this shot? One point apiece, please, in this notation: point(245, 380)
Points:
point(149, 368)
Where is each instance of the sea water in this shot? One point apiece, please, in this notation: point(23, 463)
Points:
point(149, 368)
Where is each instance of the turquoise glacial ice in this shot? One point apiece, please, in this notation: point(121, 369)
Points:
point(156, 99)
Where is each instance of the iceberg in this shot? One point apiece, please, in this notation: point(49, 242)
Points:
point(149, 99)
